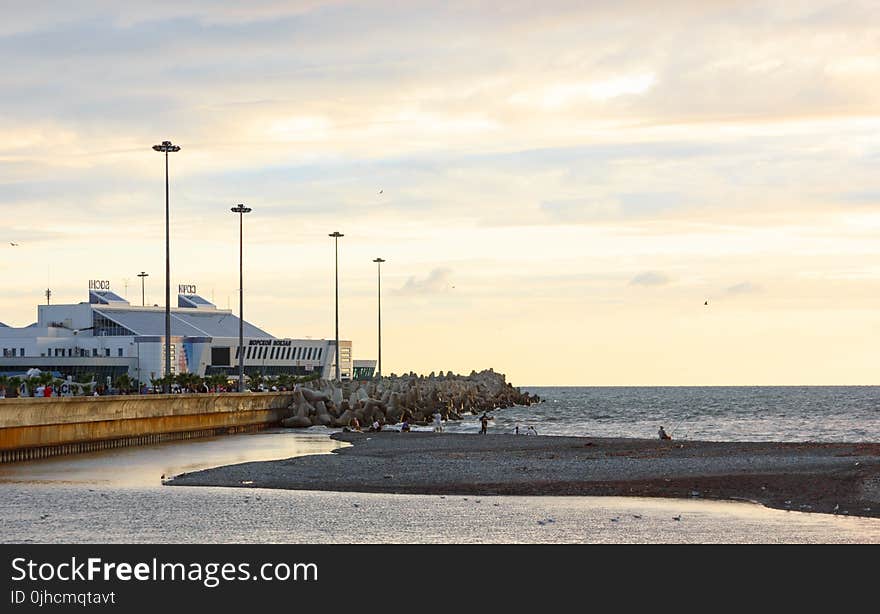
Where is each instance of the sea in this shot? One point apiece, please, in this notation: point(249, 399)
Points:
point(118, 496)
point(709, 413)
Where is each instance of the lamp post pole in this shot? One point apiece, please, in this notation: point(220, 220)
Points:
point(142, 275)
point(241, 210)
point(167, 147)
point(379, 262)
point(336, 236)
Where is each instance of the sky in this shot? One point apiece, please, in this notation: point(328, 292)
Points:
point(558, 188)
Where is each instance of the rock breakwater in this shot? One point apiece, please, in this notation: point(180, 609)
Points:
point(414, 398)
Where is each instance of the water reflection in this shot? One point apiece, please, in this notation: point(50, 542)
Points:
point(145, 465)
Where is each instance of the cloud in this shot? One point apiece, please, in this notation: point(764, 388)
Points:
point(436, 281)
point(650, 278)
point(745, 287)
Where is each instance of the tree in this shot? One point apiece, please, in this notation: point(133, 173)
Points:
point(124, 382)
point(257, 380)
point(217, 380)
point(189, 381)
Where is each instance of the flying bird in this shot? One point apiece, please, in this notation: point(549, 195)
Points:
point(706, 303)
point(13, 244)
point(380, 191)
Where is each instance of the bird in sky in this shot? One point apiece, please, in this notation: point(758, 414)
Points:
point(706, 303)
point(380, 191)
point(13, 244)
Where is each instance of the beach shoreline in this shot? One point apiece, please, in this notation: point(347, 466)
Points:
point(832, 478)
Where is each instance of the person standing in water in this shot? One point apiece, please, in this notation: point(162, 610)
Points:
point(484, 424)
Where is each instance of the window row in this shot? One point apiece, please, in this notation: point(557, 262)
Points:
point(261, 352)
point(66, 352)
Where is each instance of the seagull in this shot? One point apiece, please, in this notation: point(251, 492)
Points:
point(44, 516)
point(13, 244)
point(380, 191)
point(677, 517)
point(706, 303)
point(637, 516)
point(356, 504)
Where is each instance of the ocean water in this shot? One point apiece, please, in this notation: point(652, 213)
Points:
point(751, 413)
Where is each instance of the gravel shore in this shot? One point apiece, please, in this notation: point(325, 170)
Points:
point(841, 478)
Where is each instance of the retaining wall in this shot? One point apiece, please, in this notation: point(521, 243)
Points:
point(37, 428)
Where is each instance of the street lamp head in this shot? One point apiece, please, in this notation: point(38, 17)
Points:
point(241, 209)
point(142, 274)
point(336, 234)
point(166, 146)
point(378, 260)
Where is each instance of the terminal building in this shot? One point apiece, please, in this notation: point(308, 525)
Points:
point(107, 337)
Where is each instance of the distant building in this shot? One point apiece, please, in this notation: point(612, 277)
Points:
point(363, 369)
point(107, 337)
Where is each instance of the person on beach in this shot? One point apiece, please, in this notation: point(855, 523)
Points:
point(531, 431)
point(404, 428)
point(438, 426)
point(356, 425)
point(663, 434)
point(484, 424)
point(376, 426)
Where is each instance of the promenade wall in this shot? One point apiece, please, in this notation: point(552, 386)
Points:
point(32, 428)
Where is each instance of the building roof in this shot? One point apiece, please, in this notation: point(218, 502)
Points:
point(184, 323)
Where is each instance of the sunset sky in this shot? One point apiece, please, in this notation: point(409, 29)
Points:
point(563, 184)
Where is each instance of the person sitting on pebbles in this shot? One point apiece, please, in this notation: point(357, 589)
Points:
point(663, 434)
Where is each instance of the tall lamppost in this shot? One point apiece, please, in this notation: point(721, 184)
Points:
point(142, 275)
point(336, 236)
point(241, 210)
point(379, 262)
point(167, 147)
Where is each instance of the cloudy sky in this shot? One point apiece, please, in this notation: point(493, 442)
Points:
point(557, 187)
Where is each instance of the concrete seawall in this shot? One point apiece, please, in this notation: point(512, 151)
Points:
point(33, 428)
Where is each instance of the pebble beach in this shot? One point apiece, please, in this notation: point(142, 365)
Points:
point(831, 478)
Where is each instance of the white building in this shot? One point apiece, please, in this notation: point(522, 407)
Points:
point(107, 336)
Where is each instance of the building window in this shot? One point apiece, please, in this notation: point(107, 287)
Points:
point(105, 327)
point(119, 352)
point(272, 353)
point(13, 351)
point(94, 351)
point(220, 356)
point(320, 352)
point(22, 351)
point(107, 352)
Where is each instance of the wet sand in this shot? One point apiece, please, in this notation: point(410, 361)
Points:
point(834, 478)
